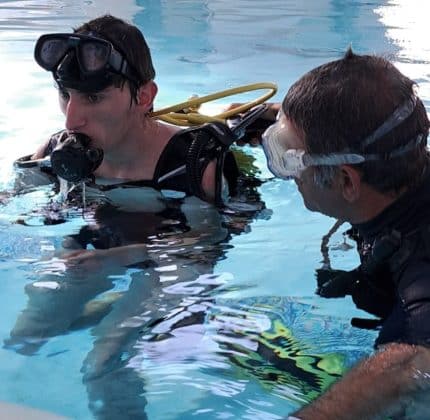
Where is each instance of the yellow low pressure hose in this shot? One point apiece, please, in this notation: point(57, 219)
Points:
point(186, 113)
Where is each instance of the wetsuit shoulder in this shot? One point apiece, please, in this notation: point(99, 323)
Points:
point(408, 321)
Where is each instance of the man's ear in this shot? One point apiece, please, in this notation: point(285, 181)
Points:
point(350, 183)
point(146, 95)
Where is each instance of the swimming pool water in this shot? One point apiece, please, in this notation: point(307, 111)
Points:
point(235, 330)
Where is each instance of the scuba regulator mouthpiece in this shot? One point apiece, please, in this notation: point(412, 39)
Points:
point(73, 160)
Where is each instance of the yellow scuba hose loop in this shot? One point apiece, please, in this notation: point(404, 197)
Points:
point(186, 113)
point(192, 118)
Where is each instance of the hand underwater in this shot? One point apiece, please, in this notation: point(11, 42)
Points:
point(99, 260)
point(335, 283)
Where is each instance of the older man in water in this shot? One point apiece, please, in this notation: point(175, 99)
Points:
point(352, 133)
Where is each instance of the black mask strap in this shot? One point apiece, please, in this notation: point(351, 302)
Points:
point(399, 115)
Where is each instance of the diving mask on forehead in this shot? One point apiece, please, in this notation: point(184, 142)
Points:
point(290, 163)
point(83, 62)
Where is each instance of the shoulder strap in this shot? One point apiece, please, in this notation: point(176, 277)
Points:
point(170, 171)
point(187, 155)
point(210, 142)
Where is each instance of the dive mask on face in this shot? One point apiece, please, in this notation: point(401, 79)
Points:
point(290, 163)
point(73, 159)
point(82, 62)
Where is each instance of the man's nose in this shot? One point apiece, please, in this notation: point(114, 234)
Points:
point(75, 115)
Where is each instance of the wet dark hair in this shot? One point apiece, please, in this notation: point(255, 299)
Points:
point(130, 42)
point(337, 105)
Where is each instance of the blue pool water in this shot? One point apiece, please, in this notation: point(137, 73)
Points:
point(228, 324)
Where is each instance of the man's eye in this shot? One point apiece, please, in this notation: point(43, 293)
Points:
point(93, 98)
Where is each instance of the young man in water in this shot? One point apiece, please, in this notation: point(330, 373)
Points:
point(105, 79)
point(352, 134)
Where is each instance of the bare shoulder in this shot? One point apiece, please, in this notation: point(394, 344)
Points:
point(49, 143)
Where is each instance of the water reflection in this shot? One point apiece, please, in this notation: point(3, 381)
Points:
point(138, 258)
point(408, 29)
point(182, 324)
point(21, 19)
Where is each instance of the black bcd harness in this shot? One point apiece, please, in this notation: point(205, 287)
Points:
point(211, 142)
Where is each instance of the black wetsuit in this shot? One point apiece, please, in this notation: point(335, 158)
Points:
point(397, 287)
